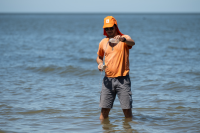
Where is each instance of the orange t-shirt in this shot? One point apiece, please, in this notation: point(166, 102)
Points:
point(116, 59)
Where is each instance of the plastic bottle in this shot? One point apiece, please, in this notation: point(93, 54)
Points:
point(112, 40)
point(103, 67)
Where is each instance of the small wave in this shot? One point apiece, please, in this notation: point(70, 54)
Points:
point(173, 47)
point(178, 87)
point(193, 73)
point(145, 53)
point(87, 60)
point(32, 112)
point(75, 70)
point(48, 111)
point(44, 69)
point(5, 106)
point(53, 69)
point(182, 48)
point(78, 71)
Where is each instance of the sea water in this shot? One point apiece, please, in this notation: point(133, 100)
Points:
point(49, 80)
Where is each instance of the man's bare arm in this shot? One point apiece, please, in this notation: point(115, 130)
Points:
point(128, 41)
point(99, 62)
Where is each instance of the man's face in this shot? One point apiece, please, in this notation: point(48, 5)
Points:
point(111, 31)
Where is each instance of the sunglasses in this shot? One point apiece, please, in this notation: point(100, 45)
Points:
point(111, 28)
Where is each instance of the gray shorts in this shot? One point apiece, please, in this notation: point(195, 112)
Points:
point(120, 86)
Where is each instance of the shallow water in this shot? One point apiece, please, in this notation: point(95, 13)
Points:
point(49, 80)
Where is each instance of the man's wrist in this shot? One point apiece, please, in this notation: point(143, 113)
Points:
point(124, 39)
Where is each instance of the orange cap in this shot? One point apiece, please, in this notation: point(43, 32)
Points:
point(109, 21)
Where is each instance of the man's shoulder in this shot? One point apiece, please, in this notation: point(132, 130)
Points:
point(104, 40)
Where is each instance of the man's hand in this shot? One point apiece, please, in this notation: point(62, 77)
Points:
point(100, 66)
point(99, 60)
point(120, 38)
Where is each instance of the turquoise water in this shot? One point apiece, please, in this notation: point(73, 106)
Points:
point(49, 81)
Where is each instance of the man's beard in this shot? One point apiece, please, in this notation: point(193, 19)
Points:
point(111, 35)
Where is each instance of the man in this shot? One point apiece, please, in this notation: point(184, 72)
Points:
point(116, 80)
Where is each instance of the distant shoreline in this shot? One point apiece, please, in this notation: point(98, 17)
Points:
point(97, 13)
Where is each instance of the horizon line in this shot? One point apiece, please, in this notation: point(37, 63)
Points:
point(99, 12)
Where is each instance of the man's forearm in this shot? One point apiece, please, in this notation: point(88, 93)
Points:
point(130, 42)
point(99, 60)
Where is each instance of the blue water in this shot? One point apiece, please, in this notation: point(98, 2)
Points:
point(49, 81)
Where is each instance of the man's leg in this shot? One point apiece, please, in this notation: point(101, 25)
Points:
point(104, 113)
point(107, 97)
point(125, 95)
point(128, 113)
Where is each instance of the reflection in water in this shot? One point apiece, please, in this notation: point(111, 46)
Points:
point(106, 125)
point(118, 126)
point(127, 127)
point(131, 125)
point(126, 124)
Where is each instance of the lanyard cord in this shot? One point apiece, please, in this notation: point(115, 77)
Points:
point(104, 63)
point(105, 52)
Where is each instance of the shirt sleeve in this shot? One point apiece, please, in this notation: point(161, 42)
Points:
point(100, 51)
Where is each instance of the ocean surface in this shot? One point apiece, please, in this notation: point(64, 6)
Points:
point(49, 81)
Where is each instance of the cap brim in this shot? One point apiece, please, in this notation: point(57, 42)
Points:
point(108, 25)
